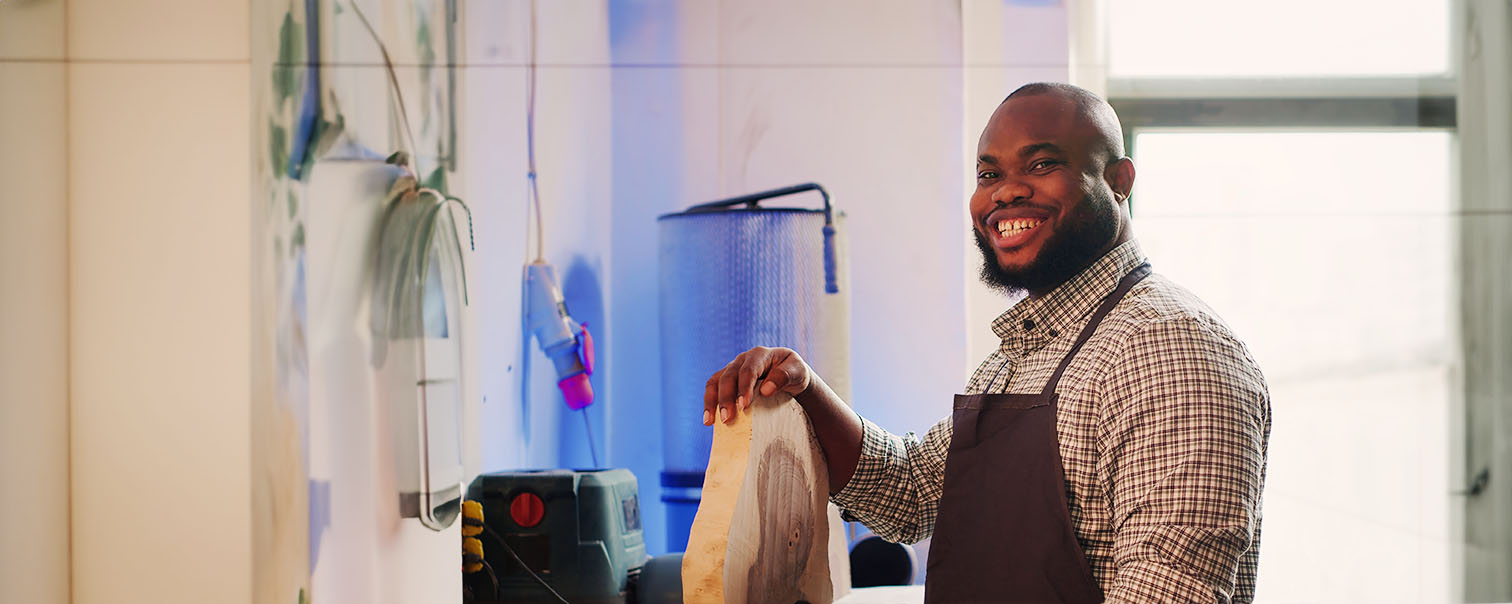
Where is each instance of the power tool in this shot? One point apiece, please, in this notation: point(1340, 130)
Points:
point(549, 534)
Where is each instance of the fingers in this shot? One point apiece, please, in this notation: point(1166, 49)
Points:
point(759, 370)
point(734, 380)
point(711, 396)
point(719, 392)
point(755, 367)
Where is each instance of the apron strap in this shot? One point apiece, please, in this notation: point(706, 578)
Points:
point(1112, 299)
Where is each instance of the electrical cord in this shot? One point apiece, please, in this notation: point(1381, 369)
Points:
point(523, 565)
point(410, 160)
point(533, 182)
point(411, 148)
point(492, 576)
point(592, 451)
point(535, 191)
point(409, 157)
point(411, 163)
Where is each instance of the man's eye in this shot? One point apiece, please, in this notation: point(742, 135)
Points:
point(986, 174)
point(1042, 164)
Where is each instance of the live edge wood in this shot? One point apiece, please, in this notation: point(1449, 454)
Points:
point(765, 532)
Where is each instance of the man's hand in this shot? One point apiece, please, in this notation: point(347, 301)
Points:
point(767, 371)
point(774, 369)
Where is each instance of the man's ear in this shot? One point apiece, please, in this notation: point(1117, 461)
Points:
point(1120, 177)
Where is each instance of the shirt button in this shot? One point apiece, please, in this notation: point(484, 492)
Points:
point(1054, 333)
point(1028, 324)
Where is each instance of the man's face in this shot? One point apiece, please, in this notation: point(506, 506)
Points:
point(1042, 210)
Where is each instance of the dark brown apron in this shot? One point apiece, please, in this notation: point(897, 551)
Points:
point(1003, 533)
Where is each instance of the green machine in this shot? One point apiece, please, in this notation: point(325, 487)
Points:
point(578, 532)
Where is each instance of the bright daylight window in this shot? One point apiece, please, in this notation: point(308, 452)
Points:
point(1321, 226)
point(1339, 280)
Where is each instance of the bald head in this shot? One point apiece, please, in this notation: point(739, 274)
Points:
point(1090, 109)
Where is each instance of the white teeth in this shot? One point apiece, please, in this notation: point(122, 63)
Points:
point(1016, 226)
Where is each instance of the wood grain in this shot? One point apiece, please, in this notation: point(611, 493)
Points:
point(765, 532)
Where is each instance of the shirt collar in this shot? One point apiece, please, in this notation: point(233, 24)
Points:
point(1033, 322)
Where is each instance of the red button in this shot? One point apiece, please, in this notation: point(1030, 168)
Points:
point(526, 510)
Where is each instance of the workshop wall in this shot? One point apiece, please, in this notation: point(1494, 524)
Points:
point(879, 102)
point(719, 99)
point(532, 429)
point(123, 436)
point(34, 299)
point(647, 107)
point(324, 115)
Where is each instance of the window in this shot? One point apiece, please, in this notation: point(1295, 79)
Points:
point(1296, 170)
point(1340, 281)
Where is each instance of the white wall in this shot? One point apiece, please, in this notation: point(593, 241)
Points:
point(695, 101)
point(1007, 44)
point(158, 167)
point(126, 309)
point(125, 357)
point(865, 98)
point(33, 304)
point(535, 429)
point(649, 141)
point(720, 99)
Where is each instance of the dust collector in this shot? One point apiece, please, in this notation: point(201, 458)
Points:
point(734, 275)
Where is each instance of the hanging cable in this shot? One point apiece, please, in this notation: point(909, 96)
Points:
point(411, 149)
point(411, 158)
point(535, 191)
point(592, 451)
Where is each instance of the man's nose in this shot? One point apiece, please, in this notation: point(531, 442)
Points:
point(1010, 190)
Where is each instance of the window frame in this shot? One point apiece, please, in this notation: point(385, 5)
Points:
point(1305, 104)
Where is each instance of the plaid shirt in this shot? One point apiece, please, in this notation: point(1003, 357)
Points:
point(1163, 423)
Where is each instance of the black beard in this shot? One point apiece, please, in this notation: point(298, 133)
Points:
point(1090, 226)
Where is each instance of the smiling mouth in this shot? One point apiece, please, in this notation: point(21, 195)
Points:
point(1012, 229)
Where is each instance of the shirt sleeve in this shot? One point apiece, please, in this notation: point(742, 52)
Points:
point(1182, 439)
point(895, 490)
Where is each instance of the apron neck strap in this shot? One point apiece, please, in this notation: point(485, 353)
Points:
point(1108, 302)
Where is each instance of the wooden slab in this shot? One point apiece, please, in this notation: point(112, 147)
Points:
point(765, 532)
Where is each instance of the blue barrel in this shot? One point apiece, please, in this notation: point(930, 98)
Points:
point(735, 275)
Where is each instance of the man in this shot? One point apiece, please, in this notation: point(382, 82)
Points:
point(1112, 448)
